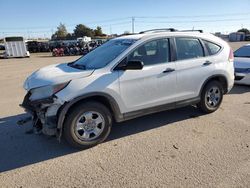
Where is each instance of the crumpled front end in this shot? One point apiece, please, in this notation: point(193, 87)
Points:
point(41, 101)
point(43, 113)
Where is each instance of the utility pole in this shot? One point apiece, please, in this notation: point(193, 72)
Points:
point(133, 24)
point(52, 32)
point(110, 30)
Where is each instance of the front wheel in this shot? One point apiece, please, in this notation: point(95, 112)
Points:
point(211, 97)
point(87, 125)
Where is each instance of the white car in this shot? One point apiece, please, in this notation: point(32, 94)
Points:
point(242, 65)
point(128, 77)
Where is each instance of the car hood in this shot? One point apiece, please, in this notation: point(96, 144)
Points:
point(54, 74)
point(241, 62)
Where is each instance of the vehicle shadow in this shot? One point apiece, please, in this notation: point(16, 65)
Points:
point(153, 121)
point(239, 89)
point(19, 149)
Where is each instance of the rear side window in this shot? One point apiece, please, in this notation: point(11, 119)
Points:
point(212, 48)
point(188, 48)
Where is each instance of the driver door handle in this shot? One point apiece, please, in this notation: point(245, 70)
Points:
point(207, 63)
point(169, 70)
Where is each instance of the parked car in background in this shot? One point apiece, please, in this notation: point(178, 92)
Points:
point(128, 77)
point(242, 65)
point(35, 46)
point(2, 47)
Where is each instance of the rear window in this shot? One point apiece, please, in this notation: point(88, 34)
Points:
point(211, 47)
point(188, 48)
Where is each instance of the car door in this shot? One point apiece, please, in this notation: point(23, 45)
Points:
point(155, 84)
point(193, 67)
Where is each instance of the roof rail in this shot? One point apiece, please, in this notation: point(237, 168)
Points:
point(158, 30)
point(198, 30)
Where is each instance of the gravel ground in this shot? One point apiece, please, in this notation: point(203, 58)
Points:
point(177, 148)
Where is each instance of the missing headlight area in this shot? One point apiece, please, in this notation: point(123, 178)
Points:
point(43, 114)
point(46, 91)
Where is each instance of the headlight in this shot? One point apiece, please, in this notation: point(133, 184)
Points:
point(46, 91)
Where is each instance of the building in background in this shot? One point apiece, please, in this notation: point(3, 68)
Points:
point(237, 36)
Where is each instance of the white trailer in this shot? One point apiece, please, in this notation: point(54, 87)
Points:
point(15, 47)
point(84, 39)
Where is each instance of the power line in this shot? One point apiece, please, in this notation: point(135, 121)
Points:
point(193, 21)
point(51, 31)
point(139, 20)
point(68, 25)
point(128, 18)
point(111, 20)
point(196, 16)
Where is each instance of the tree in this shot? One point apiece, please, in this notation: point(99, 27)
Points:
point(61, 32)
point(244, 30)
point(82, 30)
point(79, 31)
point(70, 36)
point(98, 31)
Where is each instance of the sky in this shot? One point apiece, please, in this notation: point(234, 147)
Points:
point(39, 18)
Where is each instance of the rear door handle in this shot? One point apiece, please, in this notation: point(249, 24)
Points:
point(207, 63)
point(168, 70)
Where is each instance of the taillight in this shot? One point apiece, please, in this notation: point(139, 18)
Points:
point(231, 55)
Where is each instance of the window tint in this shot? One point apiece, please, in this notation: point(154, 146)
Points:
point(151, 53)
point(188, 48)
point(211, 47)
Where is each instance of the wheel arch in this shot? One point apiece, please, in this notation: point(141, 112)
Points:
point(103, 98)
point(218, 77)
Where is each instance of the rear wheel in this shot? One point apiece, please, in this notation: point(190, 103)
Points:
point(87, 125)
point(211, 97)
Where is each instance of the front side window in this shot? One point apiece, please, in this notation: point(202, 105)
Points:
point(188, 48)
point(151, 53)
point(242, 52)
point(211, 47)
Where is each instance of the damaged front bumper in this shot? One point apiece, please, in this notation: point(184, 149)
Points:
point(44, 114)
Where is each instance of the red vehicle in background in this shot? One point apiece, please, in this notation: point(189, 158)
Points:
point(58, 52)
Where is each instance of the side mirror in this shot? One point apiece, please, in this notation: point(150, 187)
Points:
point(130, 65)
point(134, 65)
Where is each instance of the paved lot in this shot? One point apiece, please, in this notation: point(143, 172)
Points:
point(178, 148)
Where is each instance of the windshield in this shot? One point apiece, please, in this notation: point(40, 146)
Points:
point(242, 52)
point(104, 54)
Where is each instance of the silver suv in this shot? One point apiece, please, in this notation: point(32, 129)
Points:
point(128, 77)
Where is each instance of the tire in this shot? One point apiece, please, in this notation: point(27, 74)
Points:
point(82, 128)
point(211, 97)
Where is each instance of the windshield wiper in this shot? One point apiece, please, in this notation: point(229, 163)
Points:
point(77, 66)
